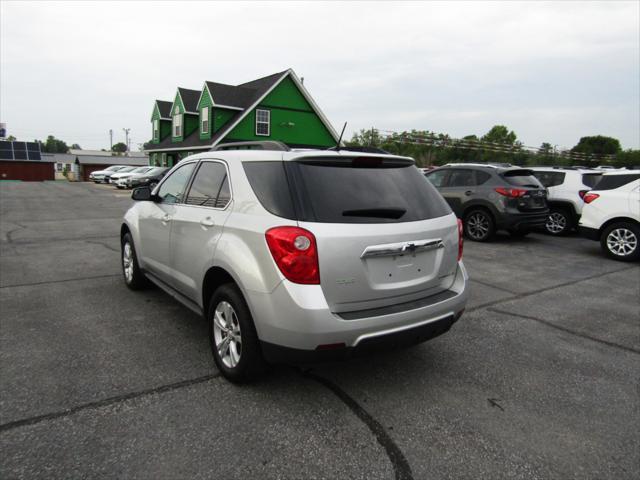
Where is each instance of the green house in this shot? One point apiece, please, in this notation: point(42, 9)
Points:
point(276, 107)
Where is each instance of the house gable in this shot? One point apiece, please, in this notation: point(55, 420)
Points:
point(293, 119)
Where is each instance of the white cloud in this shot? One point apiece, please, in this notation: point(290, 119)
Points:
point(550, 71)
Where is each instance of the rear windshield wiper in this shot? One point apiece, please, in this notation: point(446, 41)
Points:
point(394, 213)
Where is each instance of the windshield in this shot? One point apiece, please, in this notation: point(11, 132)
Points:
point(141, 170)
point(112, 169)
point(521, 178)
point(125, 169)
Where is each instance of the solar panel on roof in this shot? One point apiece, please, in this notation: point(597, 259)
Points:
point(20, 151)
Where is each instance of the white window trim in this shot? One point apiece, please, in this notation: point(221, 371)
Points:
point(177, 125)
point(268, 123)
point(156, 129)
point(204, 118)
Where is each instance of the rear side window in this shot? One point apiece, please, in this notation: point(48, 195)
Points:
point(269, 182)
point(354, 192)
point(609, 182)
point(482, 177)
point(591, 179)
point(550, 179)
point(207, 185)
point(521, 178)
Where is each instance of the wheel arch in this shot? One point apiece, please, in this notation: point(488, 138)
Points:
point(481, 206)
point(213, 278)
point(617, 220)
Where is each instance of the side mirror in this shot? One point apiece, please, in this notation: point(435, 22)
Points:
point(141, 194)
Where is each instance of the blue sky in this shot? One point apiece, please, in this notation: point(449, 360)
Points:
point(550, 71)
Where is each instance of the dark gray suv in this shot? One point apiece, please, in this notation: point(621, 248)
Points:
point(489, 198)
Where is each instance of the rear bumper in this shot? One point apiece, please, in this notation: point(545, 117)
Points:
point(404, 338)
point(523, 221)
point(590, 233)
point(294, 320)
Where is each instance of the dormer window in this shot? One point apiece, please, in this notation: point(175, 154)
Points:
point(204, 120)
point(156, 129)
point(177, 122)
point(263, 122)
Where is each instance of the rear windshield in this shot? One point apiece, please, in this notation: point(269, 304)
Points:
point(521, 178)
point(591, 179)
point(609, 182)
point(345, 192)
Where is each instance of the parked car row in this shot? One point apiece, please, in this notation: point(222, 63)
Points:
point(128, 177)
point(602, 204)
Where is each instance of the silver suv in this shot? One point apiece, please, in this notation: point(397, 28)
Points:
point(299, 256)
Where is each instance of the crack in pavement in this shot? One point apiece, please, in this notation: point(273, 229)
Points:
point(59, 281)
point(108, 247)
point(567, 330)
point(59, 239)
point(545, 289)
point(487, 284)
point(398, 461)
point(105, 402)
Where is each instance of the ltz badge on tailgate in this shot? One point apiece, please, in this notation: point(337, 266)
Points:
point(345, 281)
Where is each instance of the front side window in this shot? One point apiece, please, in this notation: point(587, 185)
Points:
point(437, 178)
point(263, 122)
point(204, 120)
point(207, 187)
point(461, 178)
point(172, 189)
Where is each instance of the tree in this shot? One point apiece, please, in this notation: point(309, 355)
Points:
point(500, 134)
point(11, 138)
point(598, 145)
point(75, 146)
point(53, 145)
point(365, 138)
point(119, 147)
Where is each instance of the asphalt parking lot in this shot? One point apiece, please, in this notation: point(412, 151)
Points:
point(539, 379)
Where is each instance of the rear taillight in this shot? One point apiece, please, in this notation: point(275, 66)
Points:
point(511, 192)
point(295, 252)
point(460, 239)
point(582, 193)
point(590, 197)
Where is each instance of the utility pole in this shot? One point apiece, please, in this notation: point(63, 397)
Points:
point(126, 133)
point(110, 139)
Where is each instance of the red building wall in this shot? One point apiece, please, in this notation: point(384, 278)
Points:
point(27, 171)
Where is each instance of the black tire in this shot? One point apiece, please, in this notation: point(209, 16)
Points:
point(479, 225)
point(135, 280)
point(559, 222)
point(621, 241)
point(250, 364)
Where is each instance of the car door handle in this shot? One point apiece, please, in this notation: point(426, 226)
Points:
point(207, 222)
point(166, 218)
point(468, 192)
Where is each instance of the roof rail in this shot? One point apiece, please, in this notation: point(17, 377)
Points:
point(476, 164)
point(261, 145)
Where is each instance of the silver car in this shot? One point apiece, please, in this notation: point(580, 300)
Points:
point(299, 256)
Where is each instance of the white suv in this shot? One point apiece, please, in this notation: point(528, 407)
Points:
point(611, 214)
point(565, 188)
point(299, 255)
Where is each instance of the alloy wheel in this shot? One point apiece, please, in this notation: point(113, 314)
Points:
point(227, 335)
point(127, 261)
point(556, 223)
point(622, 242)
point(478, 226)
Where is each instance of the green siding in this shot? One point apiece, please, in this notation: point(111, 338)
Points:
point(191, 124)
point(205, 101)
point(177, 102)
point(221, 117)
point(307, 129)
point(287, 95)
point(165, 129)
